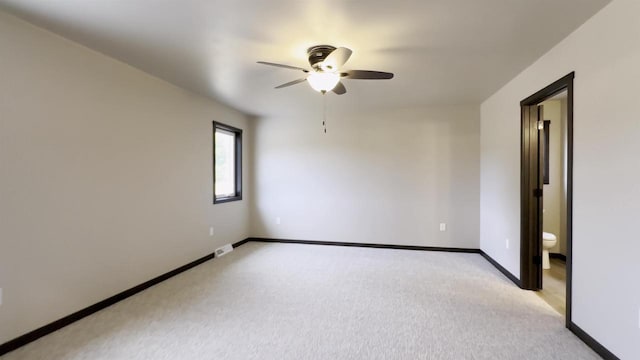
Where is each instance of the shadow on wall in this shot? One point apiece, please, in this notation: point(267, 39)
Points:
point(380, 178)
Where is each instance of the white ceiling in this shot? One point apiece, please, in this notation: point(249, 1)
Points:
point(442, 52)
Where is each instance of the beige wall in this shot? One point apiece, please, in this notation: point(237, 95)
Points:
point(105, 177)
point(386, 177)
point(554, 197)
point(564, 148)
point(604, 53)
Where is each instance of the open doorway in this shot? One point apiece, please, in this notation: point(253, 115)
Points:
point(554, 176)
point(546, 193)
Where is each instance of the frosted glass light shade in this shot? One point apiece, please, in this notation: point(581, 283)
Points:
point(323, 81)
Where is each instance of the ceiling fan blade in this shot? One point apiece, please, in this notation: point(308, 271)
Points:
point(282, 66)
point(340, 89)
point(336, 59)
point(367, 75)
point(291, 83)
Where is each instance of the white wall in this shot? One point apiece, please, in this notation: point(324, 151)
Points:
point(605, 53)
point(105, 177)
point(554, 199)
point(385, 177)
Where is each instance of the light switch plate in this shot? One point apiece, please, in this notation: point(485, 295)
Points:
point(443, 226)
point(507, 243)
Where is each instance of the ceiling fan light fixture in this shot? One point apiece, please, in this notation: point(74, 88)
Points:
point(322, 81)
point(327, 73)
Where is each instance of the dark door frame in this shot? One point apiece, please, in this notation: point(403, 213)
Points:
point(531, 188)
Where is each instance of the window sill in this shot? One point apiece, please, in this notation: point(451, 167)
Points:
point(226, 199)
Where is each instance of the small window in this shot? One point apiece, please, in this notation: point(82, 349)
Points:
point(227, 163)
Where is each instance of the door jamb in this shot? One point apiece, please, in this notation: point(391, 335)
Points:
point(527, 265)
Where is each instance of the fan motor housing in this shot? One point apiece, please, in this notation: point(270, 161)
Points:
point(317, 54)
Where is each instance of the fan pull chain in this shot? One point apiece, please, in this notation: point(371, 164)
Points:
point(324, 112)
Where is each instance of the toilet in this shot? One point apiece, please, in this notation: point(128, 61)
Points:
point(549, 240)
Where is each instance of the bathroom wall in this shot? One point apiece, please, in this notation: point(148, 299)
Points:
point(564, 153)
point(554, 195)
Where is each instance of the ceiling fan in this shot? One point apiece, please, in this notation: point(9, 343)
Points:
point(326, 70)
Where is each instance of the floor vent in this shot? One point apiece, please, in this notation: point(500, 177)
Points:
point(221, 251)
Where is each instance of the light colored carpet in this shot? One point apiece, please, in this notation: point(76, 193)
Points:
point(288, 301)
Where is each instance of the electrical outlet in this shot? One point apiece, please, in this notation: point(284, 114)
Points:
point(0, 296)
point(211, 232)
point(638, 309)
point(507, 243)
point(443, 227)
point(278, 221)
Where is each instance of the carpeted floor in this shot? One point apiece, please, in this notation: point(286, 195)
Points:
point(288, 301)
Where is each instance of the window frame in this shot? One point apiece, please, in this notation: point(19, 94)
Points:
point(237, 166)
